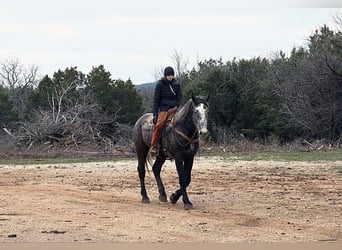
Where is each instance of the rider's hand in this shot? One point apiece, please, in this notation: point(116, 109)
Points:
point(155, 119)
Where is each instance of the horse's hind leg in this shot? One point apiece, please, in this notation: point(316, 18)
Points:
point(156, 171)
point(142, 172)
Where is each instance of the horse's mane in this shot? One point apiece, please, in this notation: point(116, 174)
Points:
point(182, 113)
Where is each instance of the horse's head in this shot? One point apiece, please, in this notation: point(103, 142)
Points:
point(200, 113)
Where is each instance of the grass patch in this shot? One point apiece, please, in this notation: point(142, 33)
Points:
point(58, 160)
point(311, 156)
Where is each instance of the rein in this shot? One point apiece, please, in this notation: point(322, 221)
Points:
point(190, 140)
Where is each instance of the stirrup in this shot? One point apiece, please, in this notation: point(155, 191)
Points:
point(154, 151)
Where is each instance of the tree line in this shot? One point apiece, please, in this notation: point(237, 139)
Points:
point(284, 97)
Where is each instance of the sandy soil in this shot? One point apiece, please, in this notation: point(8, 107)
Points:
point(234, 201)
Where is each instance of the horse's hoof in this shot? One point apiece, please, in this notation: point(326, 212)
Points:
point(173, 199)
point(188, 206)
point(163, 198)
point(145, 200)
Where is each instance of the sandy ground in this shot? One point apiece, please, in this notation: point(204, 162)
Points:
point(234, 201)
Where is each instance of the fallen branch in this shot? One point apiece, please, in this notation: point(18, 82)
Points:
point(8, 132)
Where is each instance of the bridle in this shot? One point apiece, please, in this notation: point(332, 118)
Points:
point(189, 140)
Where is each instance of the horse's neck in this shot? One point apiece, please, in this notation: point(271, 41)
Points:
point(188, 125)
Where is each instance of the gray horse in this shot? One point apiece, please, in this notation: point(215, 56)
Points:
point(180, 141)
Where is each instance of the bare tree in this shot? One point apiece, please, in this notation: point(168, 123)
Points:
point(20, 81)
point(180, 63)
point(311, 95)
point(158, 73)
point(57, 100)
point(338, 17)
point(14, 75)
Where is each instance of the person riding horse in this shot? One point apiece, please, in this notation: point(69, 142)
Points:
point(168, 97)
point(181, 141)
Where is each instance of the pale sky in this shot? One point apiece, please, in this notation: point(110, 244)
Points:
point(133, 39)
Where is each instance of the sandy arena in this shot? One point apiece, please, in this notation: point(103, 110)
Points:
point(234, 201)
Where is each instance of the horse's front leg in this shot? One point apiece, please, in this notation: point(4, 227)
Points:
point(175, 196)
point(156, 171)
point(187, 179)
point(184, 168)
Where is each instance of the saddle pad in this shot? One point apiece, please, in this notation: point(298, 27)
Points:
point(146, 128)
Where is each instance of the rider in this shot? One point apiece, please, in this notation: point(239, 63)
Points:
point(167, 98)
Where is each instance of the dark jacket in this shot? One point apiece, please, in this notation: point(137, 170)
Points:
point(165, 98)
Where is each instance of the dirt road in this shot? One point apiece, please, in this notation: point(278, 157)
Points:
point(234, 201)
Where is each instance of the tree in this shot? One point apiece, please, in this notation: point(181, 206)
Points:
point(7, 115)
point(309, 83)
point(100, 85)
point(338, 18)
point(217, 79)
point(61, 91)
point(40, 98)
point(257, 102)
point(20, 82)
point(129, 102)
point(180, 63)
point(119, 99)
point(241, 96)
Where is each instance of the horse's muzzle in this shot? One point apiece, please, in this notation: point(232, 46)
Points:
point(203, 131)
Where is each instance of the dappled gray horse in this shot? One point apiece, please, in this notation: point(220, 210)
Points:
point(180, 141)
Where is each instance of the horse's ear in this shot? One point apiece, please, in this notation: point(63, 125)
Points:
point(193, 97)
point(208, 98)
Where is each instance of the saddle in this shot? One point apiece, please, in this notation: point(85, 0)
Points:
point(147, 128)
point(165, 142)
